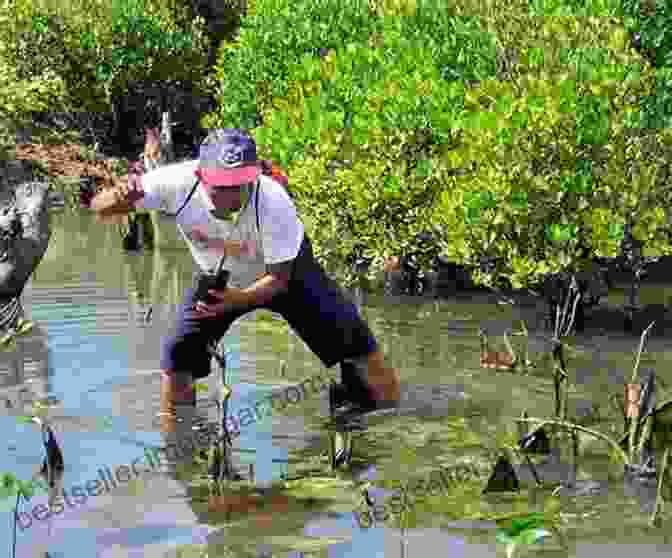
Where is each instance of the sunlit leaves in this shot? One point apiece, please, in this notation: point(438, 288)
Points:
point(529, 529)
point(577, 188)
point(536, 103)
point(561, 233)
point(10, 487)
point(519, 200)
point(525, 538)
point(8, 340)
point(535, 56)
point(108, 46)
point(201, 387)
point(516, 178)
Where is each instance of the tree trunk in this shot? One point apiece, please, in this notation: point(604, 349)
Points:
point(24, 227)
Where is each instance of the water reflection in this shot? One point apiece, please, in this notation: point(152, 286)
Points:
point(93, 351)
point(25, 372)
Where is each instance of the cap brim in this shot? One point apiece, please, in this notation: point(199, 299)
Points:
point(216, 177)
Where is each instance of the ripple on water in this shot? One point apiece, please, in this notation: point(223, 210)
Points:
point(92, 330)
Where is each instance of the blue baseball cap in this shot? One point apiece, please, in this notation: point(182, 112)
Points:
point(228, 157)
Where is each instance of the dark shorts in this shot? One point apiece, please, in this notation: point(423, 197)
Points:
point(314, 306)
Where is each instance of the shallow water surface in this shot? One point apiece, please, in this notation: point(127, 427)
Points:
point(96, 356)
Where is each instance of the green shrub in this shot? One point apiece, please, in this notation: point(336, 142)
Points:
point(534, 169)
point(21, 94)
point(141, 45)
point(39, 47)
point(648, 23)
point(554, 154)
point(274, 36)
point(651, 20)
point(97, 57)
point(359, 103)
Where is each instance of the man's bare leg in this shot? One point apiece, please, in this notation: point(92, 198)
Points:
point(176, 390)
point(367, 383)
point(176, 418)
point(383, 379)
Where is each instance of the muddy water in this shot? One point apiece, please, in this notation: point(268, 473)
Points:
point(95, 354)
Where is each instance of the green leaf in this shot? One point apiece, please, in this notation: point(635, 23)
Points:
point(472, 215)
point(519, 120)
point(560, 233)
point(7, 492)
point(505, 136)
point(488, 200)
point(8, 479)
point(26, 489)
point(536, 103)
point(532, 536)
point(504, 104)
point(424, 168)
point(487, 120)
point(201, 387)
point(536, 56)
point(6, 339)
point(521, 524)
point(519, 200)
point(503, 538)
point(8, 485)
point(24, 326)
point(616, 231)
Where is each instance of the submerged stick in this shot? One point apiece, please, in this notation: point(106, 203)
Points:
point(574, 470)
point(512, 352)
point(634, 421)
point(521, 426)
point(659, 492)
point(569, 425)
point(644, 436)
point(570, 324)
point(534, 470)
point(526, 360)
point(560, 379)
point(639, 353)
point(565, 404)
point(619, 408)
point(556, 384)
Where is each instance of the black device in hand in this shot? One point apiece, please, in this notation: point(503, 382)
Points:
point(207, 281)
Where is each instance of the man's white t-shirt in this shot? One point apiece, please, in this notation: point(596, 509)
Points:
point(166, 189)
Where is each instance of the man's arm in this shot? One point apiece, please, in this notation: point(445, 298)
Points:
point(274, 282)
point(120, 199)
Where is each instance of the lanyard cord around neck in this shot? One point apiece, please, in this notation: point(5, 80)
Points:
point(235, 226)
point(237, 222)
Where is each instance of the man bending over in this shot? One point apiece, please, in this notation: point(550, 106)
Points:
point(270, 265)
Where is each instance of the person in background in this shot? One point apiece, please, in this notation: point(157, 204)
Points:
point(236, 219)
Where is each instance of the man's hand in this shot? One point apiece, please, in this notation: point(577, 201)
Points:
point(224, 301)
point(120, 198)
point(131, 187)
point(268, 285)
